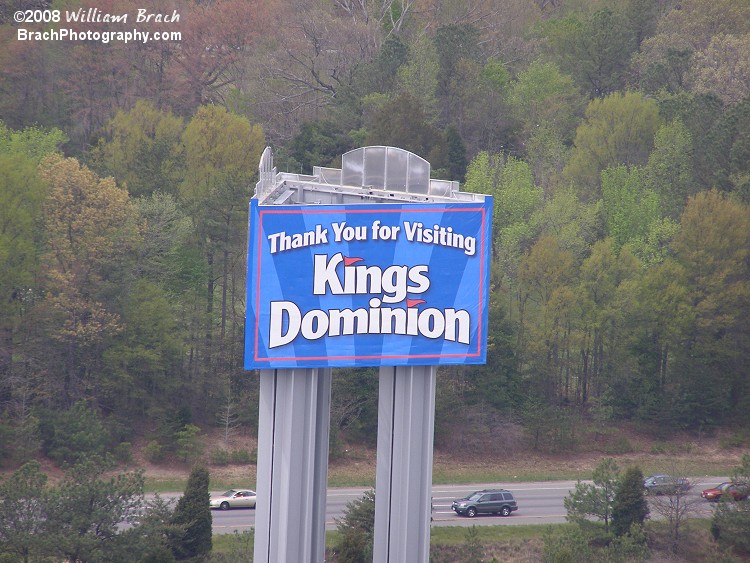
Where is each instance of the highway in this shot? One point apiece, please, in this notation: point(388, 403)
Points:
point(538, 503)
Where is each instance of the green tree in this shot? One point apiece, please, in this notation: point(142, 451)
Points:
point(319, 143)
point(165, 241)
point(544, 98)
point(22, 511)
point(457, 47)
point(418, 76)
point(145, 359)
point(545, 301)
point(192, 517)
point(713, 246)
point(71, 436)
point(142, 150)
point(510, 182)
point(89, 242)
point(574, 223)
point(630, 209)
point(618, 129)
point(85, 511)
point(548, 105)
point(148, 540)
point(22, 195)
point(402, 122)
point(629, 506)
point(473, 551)
point(669, 171)
point(593, 48)
point(456, 154)
point(728, 150)
point(731, 520)
point(657, 312)
point(599, 315)
point(595, 499)
point(222, 152)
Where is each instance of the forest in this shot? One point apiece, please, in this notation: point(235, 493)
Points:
point(614, 136)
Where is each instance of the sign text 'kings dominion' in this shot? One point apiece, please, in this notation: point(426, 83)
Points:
point(367, 285)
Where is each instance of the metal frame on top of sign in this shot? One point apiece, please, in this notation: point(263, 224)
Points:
point(362, 285)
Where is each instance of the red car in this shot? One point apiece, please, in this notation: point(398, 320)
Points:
point(738, 491)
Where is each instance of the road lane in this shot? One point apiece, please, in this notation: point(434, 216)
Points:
point(538, 503)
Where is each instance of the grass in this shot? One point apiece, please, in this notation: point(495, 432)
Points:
point(446, 471)
point(687, 455)
point(512, 543)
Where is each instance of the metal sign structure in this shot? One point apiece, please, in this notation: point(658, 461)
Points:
point(335, 278)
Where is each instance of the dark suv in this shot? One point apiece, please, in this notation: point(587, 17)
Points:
point(489, 501)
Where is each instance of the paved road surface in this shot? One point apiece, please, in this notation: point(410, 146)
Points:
point(538, 503)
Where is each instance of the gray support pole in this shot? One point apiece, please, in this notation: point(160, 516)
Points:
point(403, 479)
point(292, 475)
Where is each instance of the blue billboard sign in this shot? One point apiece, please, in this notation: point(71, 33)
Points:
point(367, 284)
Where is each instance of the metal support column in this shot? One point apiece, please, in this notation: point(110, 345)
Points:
point(403, 480)
point(294, 420)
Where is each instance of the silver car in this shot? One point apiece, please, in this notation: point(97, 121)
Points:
point(234, 498)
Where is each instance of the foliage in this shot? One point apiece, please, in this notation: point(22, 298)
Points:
point(472, 546)
point(142, 150)
point(618, 129)
point(629, 507)
point(319, 143)
point(192, 517)
point(357, 527)
point(188, 447)
point(22, 510)
point(629, 208)
point(731, 519)
point(568, 546)
point(84, 512)
point(127, 293)
point(593, 48)
point(596, 499)
point(70, 436)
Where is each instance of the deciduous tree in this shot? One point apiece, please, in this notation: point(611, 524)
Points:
point(618, 129)
point(142, 150)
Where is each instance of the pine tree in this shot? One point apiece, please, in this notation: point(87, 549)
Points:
point(193, 516)
point(630, 506)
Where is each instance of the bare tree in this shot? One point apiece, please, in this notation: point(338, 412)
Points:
point(677, 503)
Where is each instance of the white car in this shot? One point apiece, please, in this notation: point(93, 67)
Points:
point(234, 498)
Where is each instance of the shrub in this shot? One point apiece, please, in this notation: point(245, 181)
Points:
point(357, 528)
point(241, 457)
point(188, 444)
point(738, 439)
point(570, 546)
point(154, 452)
point(123, 452)
point(220, 456)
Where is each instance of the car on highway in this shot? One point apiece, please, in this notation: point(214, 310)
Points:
point(234, 498)
point(487, 501)
point(662, 484)
point(738, 491)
